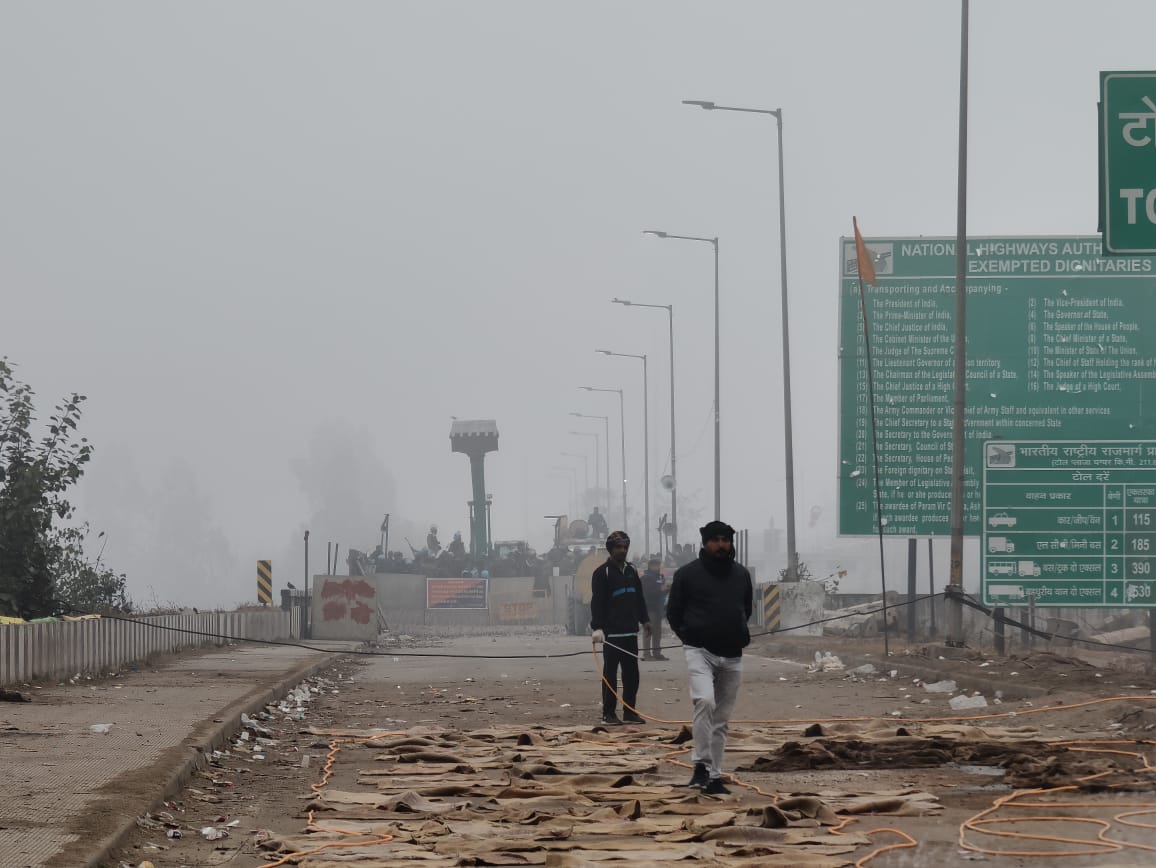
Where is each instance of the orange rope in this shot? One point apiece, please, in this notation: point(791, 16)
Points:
point(981, 823)
point(906, 844)
point(326, 774)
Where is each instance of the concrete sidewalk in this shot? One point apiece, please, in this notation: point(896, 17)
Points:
point(68, 793)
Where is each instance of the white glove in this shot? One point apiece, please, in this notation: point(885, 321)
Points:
point(598, 636)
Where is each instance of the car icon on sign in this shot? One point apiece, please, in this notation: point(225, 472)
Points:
point(1001, 519)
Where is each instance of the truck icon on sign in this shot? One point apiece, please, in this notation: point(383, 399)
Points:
point(1001, 519)
point(1000, 544)
point(1001, 456)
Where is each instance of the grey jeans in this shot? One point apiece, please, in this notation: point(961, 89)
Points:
point(714, 687)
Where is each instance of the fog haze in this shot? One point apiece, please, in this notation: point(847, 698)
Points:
point(280, 246)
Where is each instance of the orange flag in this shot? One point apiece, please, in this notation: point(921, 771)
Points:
point(866, 263)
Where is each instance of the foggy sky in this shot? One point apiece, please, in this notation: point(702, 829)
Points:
point(279, 245)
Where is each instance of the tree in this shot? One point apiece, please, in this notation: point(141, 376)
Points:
point(85, 587)
point(804, 573)
point(35, 474)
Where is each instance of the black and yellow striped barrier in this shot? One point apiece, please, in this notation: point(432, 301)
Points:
point(772, 608)
point(265, 582)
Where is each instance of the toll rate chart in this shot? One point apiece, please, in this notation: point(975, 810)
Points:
point(1069, 523)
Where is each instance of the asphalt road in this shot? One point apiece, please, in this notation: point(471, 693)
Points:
point(488, 681)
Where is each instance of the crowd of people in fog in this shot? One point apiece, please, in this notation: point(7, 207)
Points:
point(518, 559)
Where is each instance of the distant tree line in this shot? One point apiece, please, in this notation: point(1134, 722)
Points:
point(44, 570)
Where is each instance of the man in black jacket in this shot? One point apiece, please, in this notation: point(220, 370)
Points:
point(710, 602)
point(617, 607)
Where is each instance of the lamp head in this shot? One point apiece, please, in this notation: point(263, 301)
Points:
point(604, 352)
point(656, 233)
point(701, 103)
point(620, 301)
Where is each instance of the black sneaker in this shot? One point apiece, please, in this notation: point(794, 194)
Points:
point(701, 777)
point(631, 717)
point(716, 788)
point(611, 720)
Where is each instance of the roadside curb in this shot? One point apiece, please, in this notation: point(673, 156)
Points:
point(201, 748)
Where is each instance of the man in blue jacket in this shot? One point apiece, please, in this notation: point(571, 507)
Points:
point(617, 608)
point(710, 602)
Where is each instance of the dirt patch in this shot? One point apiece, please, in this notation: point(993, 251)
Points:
point(902, 752)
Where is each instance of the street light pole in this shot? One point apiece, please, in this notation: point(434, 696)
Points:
point(585, 465)
point(606, 443)
point(792, 572)
point(669, 308)
point(622, 431)
point(597, 453)
point(717, 440)
point(645, 439)
point(569, 476)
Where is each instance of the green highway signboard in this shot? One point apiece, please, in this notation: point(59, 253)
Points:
point(1128, 161)
point(1059, 345)
point(1069, 523)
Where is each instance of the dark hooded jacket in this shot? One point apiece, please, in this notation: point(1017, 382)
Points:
point(710, 603)
point(617, 606)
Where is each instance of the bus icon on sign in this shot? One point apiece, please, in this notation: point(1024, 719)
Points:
point(1001, 456)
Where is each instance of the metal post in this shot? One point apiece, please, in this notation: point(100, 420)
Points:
point(717, 447)
point(305, 625)
point(669, 308)
point(911, 589)
point(585, 465)
point(1031, 621)
point(645, 437)
point(1000, 641)
point(955, 577)
point(792, 574)
point(646, 452)
point(597, 454)
point(622, 431)
point(606, 422)
point(1152, 636)
point(931, 585)
point(673, 450)
point(597, 457)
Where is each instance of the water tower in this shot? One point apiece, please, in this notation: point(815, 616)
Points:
point(475, 438)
